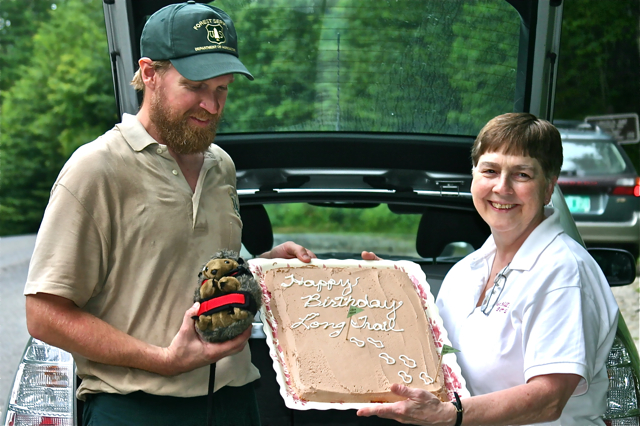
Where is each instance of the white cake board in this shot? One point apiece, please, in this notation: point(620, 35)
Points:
point(454, 381)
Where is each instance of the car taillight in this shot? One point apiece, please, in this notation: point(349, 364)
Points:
point(43, 391)
point(622, 396)
point(627, 186)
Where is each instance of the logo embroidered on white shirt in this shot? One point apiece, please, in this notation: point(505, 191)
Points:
point(502, 307)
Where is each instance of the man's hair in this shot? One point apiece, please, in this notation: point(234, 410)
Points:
point(159, 66)
point(521, 134)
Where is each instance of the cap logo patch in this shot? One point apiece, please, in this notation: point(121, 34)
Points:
point(216, 29)
point(215, 34)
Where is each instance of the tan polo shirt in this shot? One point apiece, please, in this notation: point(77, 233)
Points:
point(124, 237)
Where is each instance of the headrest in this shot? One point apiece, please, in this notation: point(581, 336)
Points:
point(257, 234)
point(439, 227)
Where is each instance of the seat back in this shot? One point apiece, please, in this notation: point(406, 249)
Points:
point(439, 227)
point(257, 233)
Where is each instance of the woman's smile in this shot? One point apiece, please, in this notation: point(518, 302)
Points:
point(499, 206)
point(509, 192)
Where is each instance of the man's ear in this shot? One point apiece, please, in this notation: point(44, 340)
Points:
point(148, 73)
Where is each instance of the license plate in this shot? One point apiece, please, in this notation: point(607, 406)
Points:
point(578, 203)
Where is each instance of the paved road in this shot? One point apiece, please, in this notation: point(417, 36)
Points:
point(15, 253)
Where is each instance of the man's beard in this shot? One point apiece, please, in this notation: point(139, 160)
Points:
point(176, 132)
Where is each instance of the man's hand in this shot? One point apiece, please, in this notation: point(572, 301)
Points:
point(369, 255)
point(289, 250)
point(188, 351)
point(59, 322)
point(420, 408)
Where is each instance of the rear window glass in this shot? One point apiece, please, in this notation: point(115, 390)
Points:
point(584, 158)
point(345, 230)
point(441, 67)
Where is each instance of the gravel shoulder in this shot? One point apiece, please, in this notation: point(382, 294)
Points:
point(628, 298)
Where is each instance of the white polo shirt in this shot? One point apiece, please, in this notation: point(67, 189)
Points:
point(556, 314)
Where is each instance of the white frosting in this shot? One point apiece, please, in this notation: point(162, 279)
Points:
point(314, 301)
point(348, 287)
point(387, 358)
point(315, 324)
point(359, 343)
point(405, 376)
point(344, 301)
point(427, 379)
point(377, 343)
point(408, 361)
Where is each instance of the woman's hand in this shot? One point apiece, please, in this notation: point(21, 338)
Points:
point(420, 408)
point(540, 400)
point(289, 250)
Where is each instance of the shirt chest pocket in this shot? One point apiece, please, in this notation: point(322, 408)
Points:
point(218, 217)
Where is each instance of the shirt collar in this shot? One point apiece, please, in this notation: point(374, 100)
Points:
point(134, 133)
point(484, 254)
point(538, 240)
point(531, 249)
point(138, 138)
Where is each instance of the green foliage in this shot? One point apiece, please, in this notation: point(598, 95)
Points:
point(391, 73)
point(63, 99)
point(483, 63)
point(18, 18)
point(346, 229)
point(599, 61)
point(306, 218)
point(280, 44)
point(408, 67)
point(427, 67)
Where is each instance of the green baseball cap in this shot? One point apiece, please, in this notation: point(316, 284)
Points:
point(199, 40)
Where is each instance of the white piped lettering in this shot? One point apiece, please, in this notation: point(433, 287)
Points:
point(317, 324)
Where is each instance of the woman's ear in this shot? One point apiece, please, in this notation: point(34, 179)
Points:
point(549, 190)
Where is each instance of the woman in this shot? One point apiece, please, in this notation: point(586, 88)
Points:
point(530, 311)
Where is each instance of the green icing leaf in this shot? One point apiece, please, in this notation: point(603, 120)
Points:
point(354, 310)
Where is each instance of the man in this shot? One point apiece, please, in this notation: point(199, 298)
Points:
point(131, 219)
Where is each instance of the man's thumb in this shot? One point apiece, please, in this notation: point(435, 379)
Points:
point(192, 311)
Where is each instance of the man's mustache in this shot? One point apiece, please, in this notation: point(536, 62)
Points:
point(205, 116)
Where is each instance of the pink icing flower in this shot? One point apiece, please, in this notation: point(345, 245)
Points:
point(451, 380)
point(437, 334)
point(415, 281)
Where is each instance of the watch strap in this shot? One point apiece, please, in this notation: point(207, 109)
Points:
point(459, 409)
